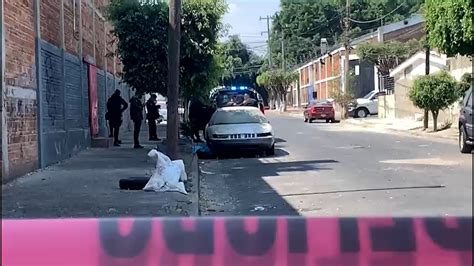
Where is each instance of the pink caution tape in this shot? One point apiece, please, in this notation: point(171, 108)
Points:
point(260, 241)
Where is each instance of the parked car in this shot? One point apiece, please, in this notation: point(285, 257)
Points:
point(240, 128)
point(322, 110)
point(466, 136)
point(367, 105)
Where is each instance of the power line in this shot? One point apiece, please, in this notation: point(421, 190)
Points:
point(378, 19)
point(269, 33)
point(319, 27)
point(256, 42)
point(248, 67)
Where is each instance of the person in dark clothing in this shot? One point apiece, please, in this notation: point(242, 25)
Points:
point(152, 115)
point(136, 114)
point(199, 116)
point(116, 105)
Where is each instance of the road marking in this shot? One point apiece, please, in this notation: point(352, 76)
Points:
point(425, 161)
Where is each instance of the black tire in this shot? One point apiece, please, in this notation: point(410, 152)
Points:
point(133, 183)
point(364, 111)
point(328, 120)
point(310, 120)
point(271, 151)
point(332, 120)
point(463, 146)
point(306, 120)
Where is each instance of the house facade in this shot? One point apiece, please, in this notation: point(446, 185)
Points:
point(56, 79)
point(398, 104)
point(323, 75)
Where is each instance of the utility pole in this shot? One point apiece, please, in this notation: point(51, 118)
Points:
point(283, 66)
point(346, 46)
point(268, 18)
point(427, 72)
point(174, 31)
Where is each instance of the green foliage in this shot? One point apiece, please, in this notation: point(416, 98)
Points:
point(467, 78)
point(344, 98)
point(464, 85)
point(242, 64)
point(387, 56)
point(434, 92)
point(304, 22)
point(264, 79)
point(142, 32)
point(449, 26)
point(277, 83)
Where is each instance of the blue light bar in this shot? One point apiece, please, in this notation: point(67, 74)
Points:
point(233, 88)
point(243, 88)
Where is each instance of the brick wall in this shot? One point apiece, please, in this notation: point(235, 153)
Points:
point(66, 127)
point(50, 21)
point(20, 91)
point(71, 26)
point(110, 49)
point(336, 64)
point(87, 30)
point(99, 43)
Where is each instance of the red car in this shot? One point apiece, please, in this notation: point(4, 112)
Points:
point(321, 110)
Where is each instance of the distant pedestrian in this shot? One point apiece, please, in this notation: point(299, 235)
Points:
point(152, 115)
point(136, 114)
point(116, 105)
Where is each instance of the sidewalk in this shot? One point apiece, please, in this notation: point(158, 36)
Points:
point(87, 185)
point(409, 126)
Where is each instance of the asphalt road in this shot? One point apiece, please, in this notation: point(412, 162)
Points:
point(339, 170)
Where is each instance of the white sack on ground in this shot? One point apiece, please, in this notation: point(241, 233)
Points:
point(168, 176)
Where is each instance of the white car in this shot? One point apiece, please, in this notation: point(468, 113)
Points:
point(240, 128)
point(367, 105)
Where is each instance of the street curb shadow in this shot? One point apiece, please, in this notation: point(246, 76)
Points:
point(195, 175)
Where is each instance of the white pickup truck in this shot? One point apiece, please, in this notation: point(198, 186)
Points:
point(367, 105)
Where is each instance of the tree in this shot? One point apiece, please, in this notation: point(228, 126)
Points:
point(449, 26)
point(434, 93)
point(277, 83)
point(141, 28)
point(302, 24)
point(465, 84)
point(263, 80)
point(242, 64)
point(386, 56)
point(344, 98)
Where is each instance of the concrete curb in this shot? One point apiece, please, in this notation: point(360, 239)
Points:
point(195, 175)
point(394, 130)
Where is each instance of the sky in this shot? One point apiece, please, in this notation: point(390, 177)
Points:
point(244, 20)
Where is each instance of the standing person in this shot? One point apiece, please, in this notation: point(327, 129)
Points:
point(116, 105)
point(136, 114)
point(197, 118)
point(151, 115)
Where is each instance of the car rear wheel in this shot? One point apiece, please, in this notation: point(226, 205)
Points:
point(361, 112)
point(310, 120)
point(463, 146)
